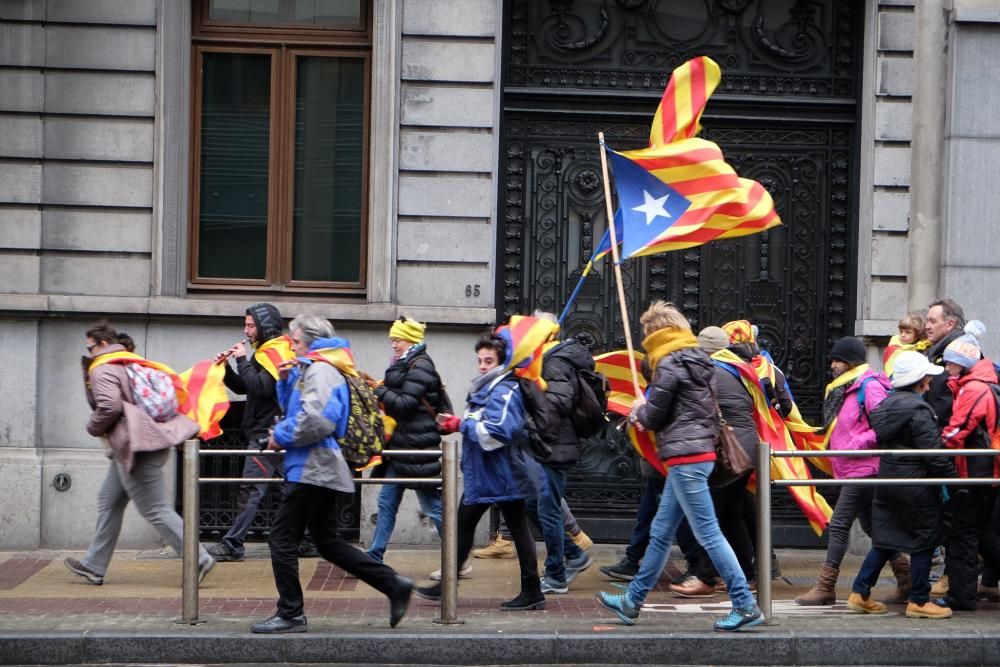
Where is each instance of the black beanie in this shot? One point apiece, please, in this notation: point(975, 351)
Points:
point(850, 350)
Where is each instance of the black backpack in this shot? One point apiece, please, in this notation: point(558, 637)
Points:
point(541, 423)
point(589, 412)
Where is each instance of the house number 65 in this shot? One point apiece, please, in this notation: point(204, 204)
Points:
point(472, 290)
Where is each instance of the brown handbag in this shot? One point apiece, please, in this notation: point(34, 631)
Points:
point(731, 460)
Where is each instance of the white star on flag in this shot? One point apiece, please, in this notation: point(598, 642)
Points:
point(653, 207)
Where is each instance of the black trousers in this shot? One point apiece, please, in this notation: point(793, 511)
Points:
point(729, 501)
point(315, 507)
point(516, 517)
point(973, 532)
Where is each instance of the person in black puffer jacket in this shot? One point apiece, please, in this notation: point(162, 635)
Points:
point(262, 325)
point(679, 408)
point(411, 395)
point(561, 364)
point(906, 519)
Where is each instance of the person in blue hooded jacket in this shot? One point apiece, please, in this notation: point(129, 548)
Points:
point(315, 400)
point(496, 469)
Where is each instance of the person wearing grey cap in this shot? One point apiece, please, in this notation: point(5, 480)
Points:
point(906, 519)
point(856, 390)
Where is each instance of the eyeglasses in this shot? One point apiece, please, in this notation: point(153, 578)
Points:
point(90, 348)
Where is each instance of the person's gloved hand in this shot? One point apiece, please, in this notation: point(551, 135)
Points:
point(448, 423)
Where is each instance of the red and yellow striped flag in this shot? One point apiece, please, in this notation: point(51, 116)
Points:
point(615, 367)
point(722, 205)
point(207, 398)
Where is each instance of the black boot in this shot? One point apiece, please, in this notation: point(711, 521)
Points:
point(530, 597)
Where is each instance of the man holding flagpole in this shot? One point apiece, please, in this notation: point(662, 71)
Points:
point(255, 376)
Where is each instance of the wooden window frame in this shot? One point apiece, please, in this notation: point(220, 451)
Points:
point(284, 44)
point(204, 28)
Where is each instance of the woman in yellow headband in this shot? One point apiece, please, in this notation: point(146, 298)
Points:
point(413, 395)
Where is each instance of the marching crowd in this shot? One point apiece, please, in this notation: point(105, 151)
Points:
point(525, 416)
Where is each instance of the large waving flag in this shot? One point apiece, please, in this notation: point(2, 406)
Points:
point(694, 175)
point(526, 337)
point(615, 367)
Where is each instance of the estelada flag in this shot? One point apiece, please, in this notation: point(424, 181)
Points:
point(525, 338)
point(709, 200)
point(615, 367)
point(272, 352)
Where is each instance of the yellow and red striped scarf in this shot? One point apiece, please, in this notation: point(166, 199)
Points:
point(779, 436)
point(272, 352)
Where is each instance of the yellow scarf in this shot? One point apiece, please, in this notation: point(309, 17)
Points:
point(847, 377)
point(844, 379)
point(662, 342)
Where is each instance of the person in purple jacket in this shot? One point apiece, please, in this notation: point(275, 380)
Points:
point(855, 391)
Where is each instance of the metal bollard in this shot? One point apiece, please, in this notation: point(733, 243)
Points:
point(449, 540)
point(189, 588)
point(764, 530)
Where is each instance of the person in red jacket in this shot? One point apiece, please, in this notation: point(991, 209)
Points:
point(972, 426)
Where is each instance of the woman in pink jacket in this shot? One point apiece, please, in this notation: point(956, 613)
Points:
point(856, 390)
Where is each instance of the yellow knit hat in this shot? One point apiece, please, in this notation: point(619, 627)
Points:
point(407, 329)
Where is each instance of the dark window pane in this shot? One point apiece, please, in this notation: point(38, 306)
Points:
point(329, 178)
point(235, 131)
point(292, 12)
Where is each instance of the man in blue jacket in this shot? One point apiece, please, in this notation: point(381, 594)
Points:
point(316, 402)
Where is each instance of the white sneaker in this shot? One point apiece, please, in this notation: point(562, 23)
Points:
point(463, 572)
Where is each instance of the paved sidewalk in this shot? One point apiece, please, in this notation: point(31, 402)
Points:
point(48, 615)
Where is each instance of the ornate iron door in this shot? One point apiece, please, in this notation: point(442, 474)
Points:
point(784, 114)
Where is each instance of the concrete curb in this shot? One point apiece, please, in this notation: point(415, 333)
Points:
point(750, 648)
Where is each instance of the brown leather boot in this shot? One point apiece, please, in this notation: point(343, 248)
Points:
point(901, 570)
point(825, 590)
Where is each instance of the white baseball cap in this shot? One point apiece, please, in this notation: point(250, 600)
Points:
point(910, 368)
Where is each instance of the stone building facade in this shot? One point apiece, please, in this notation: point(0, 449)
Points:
point(96, 140)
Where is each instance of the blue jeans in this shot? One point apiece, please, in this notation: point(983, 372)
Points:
point(686, 494)
point(920, 573)
point(546, 511)
point(389, 499)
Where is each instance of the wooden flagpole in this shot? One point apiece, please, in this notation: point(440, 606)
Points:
point(618, 268)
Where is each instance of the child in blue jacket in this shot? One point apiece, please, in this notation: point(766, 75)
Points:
point(496, 469)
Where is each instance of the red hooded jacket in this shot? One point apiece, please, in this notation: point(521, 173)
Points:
point(974, 407)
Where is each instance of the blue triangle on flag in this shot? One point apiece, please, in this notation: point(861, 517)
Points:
point(648, 205)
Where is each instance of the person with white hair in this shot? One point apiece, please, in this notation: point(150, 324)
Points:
point(316, 402)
